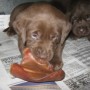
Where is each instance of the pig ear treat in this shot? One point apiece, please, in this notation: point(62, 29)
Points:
point(34, 70)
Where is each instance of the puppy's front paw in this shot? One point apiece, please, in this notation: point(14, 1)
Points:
point(57, 64)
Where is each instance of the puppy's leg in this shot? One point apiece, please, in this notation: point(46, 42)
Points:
point(10, 31)
point(57, 59)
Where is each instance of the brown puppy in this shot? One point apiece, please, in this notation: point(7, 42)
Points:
point(42, 28)
point(79, 15)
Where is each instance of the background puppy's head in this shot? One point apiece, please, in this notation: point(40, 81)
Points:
point(80, 18)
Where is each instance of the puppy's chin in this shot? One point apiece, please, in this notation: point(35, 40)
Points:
point(81, 31)
point(42, 60)
point(41, 56)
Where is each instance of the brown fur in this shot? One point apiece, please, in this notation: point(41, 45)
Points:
point(42, 28)
point(79, 15)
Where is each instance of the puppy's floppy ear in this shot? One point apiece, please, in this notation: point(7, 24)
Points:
point(65, 31)
point(19, 27)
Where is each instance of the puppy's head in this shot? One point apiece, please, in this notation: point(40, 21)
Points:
point(43, 38)
point(43, 29)
point(80, 19)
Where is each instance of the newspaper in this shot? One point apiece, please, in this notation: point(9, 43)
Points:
point(4, 86)
point(9, 54)
point(76, 58)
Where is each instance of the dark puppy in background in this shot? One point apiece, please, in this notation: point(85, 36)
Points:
point(79, 15)
point(42, 28)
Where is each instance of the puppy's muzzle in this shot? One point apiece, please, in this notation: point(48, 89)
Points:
point(81, 31)
point(42, 53)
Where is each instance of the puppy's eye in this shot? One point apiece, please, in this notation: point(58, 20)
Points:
point(35, 35)
point(54, 38)
point(74, 19)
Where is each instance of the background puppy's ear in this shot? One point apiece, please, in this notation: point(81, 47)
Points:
point(65, 31)
point(19, 27)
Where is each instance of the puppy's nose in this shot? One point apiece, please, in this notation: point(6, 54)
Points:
point(83, 30)
point(41, 53)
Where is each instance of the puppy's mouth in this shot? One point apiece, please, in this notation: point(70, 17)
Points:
point(81, 32)
point(42, 57)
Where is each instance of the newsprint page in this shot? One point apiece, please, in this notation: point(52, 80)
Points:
point(76, 58)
